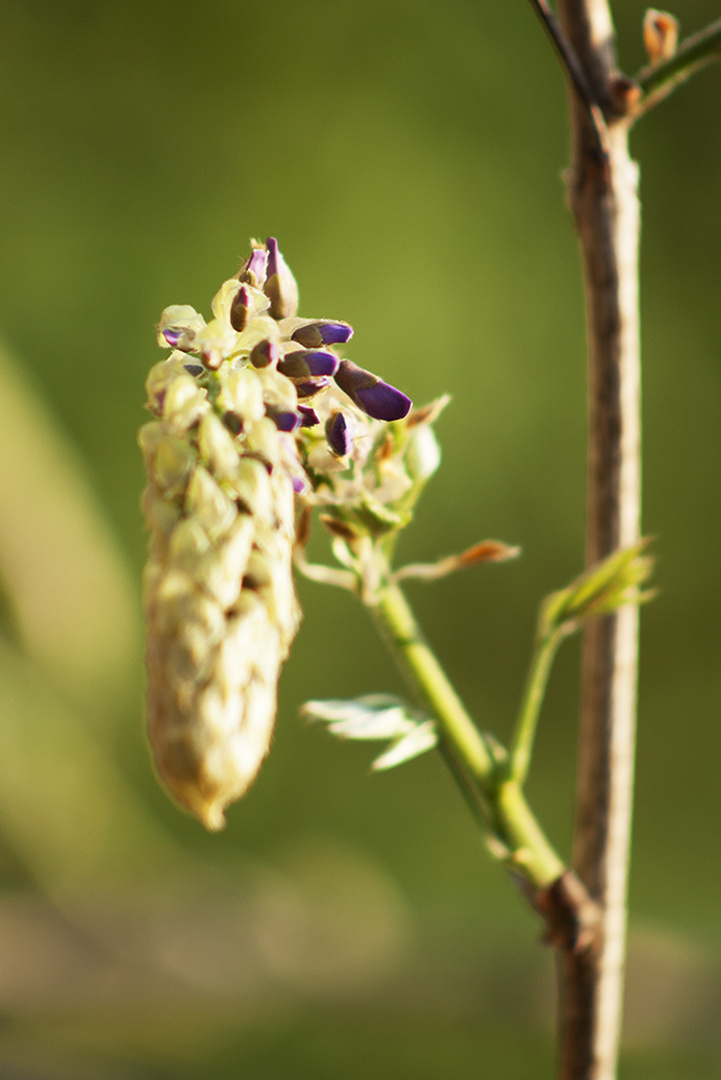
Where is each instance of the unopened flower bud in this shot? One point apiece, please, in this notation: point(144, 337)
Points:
point(179, 325)
point(280, 286)
point(264, 354)
point(339, 433)
point(183, 404)
point(284, 419)
point(324, 332)
point(375, 397)
point(253, 269)
point(308, 388)
point(304, 364)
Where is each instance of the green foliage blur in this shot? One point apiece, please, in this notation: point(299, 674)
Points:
point(409, 158)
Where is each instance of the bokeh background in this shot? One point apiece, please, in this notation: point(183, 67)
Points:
point(409, 156)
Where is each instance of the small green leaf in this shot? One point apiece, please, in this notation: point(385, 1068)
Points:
point(378, 716)
point(423, 737)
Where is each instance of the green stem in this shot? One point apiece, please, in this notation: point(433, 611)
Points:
point(420, 666)
point(658, 80)
point(525, 731)
point(484, 782)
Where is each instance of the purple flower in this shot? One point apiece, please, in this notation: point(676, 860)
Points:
point(302, 365)
point(309, 417)
point(172, 336)
point(375, 397)
point(280, 286)
point(339, 433)
point(309, 387)
point(324, 332)
point(285, 419)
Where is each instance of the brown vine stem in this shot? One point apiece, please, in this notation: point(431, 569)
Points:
point(602, 195)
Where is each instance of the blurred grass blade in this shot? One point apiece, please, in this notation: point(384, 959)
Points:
point(66, 810)
point(63, 575)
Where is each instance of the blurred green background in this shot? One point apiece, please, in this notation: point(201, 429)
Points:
point(408, 155)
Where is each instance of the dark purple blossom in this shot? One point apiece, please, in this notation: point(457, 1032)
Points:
point(339, 433)
point(308, 387)
point(325, 332)
point(309, 417)
point(376, 398)
point(285, 419)
point(303, 365)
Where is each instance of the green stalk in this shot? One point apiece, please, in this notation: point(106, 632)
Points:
point(470, 756)
point(525, 731)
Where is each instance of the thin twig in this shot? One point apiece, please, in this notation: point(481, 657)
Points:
point(573, 68)
point(605, 207)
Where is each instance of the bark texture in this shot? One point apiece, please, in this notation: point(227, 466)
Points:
point(603, 198)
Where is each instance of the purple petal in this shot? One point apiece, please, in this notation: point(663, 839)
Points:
point(194, 369)
point(256, 265)
point(309, 417)
point(285, 419)
point(300, 486)
point(339, 433)
point(322, 333)
point(301, 364)
point(384, 402)
point(376, 398)
point(309, 387)
point(172, 336)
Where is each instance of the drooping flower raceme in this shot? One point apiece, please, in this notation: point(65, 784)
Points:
point(235, 408)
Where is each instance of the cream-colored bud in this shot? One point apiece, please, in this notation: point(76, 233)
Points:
point(222, 570)
point(242, 394)
point(179, 325)
point(216, 341)
point(262, 439)
point(207, 503)
point(184, 404)
point(149, 438)
point(253, 489)
point(160, 377)
point(189, 542)
point(217, 447)
point(174, 461)
point(278, 391)
point(161, 516)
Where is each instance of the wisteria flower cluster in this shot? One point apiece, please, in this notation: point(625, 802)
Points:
point(250, 411)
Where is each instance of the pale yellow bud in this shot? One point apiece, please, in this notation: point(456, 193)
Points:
point(184, 404)
point(208, 504)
